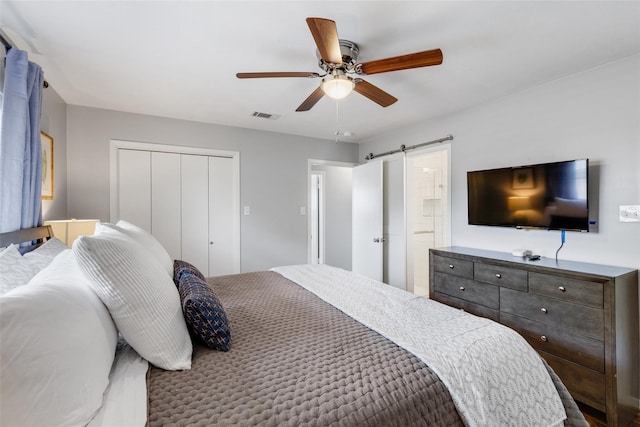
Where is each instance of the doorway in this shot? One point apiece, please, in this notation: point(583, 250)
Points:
point(329, 217)
point(413, 216)
point(316, 214)
point(427, 213)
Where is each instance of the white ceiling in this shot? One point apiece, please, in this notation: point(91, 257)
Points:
point(179, 58)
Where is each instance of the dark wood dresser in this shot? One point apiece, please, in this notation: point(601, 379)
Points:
point(582, 318)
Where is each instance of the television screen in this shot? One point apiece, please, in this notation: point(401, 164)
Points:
point(550, 195)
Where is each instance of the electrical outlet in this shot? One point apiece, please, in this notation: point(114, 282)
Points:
point(629, 213)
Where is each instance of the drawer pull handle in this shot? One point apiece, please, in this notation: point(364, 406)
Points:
point(543, 338)
point(462, 288)
point(544, 310)
point(498, 275)
point(451, 266)
point(562, 289)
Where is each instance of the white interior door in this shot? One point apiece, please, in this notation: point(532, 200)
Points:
point(134, 187)
point(165, 212)
point(367, 217)
point(195, 219)
point(223, 254)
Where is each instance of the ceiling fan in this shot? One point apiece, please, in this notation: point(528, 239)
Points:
point(338, 60)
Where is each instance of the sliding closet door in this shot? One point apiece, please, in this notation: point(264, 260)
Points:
point(165, 201)
point(223, 257)
point(195, 209)
point(394, 258)
point(134, 184)
point(188, 198)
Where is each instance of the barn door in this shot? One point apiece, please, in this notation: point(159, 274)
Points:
point(367, 238)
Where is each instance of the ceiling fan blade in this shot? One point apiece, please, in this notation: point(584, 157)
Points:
point(402, 62)
point(275, 74)
point(325, 34)
point(308, 103)
point(374, 93)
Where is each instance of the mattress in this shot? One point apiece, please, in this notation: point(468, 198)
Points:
point(297, 360)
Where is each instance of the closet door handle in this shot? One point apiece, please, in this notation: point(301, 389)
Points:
point(451, 266)
point(499, 276)
point(562, 289)
point(544, 310)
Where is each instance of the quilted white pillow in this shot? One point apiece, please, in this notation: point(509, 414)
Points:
point(140, 296)
point(10, 275)
point(58, 345)
point(16, 270)
point(48, 250)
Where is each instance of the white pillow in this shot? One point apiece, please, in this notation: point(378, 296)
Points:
point(141, 236)
point(141, 297)
point(49, 249)
point(16, 270)
point(58, 345)
point(11, 275)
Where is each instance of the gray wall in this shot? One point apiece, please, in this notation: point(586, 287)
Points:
point(273, 174)
point(53, 121)
point(593, 114)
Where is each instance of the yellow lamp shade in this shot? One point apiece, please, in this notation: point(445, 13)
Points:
point(68, 230)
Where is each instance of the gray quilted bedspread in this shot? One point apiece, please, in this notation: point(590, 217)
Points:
point(298, 361)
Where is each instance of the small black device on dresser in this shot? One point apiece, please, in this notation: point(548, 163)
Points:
point(582, 318)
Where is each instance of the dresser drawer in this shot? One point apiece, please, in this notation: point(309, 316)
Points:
point(456, 267)
point(585, 351)
point(578, 291)
point(501, 276)
point(584, 384)
point(468, 290)
point(572, 318)
point(469, 307)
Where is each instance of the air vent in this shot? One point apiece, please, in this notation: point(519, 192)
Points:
point(265, 115)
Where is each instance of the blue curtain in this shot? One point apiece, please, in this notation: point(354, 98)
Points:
point(20, 147)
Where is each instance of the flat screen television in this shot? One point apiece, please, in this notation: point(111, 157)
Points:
point(552, 196)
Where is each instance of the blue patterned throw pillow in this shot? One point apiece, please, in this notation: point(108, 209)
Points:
point(203, 312)
point(181, 267)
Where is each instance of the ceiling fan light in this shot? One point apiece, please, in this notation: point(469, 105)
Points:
point(338, 86)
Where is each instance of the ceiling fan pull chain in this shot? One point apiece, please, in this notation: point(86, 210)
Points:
point(337, 121)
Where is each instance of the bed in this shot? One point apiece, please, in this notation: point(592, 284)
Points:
point(303, 345)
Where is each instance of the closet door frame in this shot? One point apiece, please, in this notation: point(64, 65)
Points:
point(116, 144)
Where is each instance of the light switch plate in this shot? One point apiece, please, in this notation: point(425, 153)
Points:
point(629, 213)
point(247, 210)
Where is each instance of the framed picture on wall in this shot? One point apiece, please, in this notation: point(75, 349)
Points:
point(47, 166)
point(523, 178)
